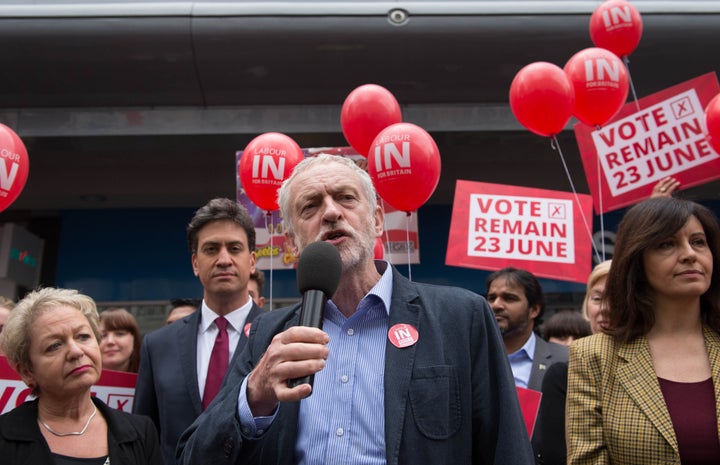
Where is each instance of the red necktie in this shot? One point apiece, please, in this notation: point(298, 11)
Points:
point(218, 363)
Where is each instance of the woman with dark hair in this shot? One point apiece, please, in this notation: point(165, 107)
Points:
point(644, 389)
point(120, 343)
point(565, 326)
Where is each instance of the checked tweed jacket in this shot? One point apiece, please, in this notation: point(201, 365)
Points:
point(616, 412)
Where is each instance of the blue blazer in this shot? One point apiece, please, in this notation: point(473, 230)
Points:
point(167, 385)
point(449, 398)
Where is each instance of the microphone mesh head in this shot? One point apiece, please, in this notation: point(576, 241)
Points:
point(319, 267)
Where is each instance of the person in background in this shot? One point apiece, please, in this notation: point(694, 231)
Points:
point(255, 287)
point(120, 340)
point(645, 389)
point(565, 326)
point(180, 308)
point(518, 301)
point(183, 364)
point(52, 340)
point(592, 308)
point(551, 415)
point(404, 373)
point(5, 306)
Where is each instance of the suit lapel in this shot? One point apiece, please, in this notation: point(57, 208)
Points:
point(637, 376)
point(712, 345)
point(540, 364)
point(187, 341)
point(399, 365)
point(242, 340)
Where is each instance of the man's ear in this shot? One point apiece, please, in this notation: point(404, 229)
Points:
point(379, 216)
point(193, 259)
point(534, 311)
point(290, 243)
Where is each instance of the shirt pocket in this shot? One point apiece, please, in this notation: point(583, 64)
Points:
point(435, 401)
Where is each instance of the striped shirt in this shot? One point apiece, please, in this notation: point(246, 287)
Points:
point(343, 421)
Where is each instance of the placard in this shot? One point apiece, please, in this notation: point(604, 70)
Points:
point(666, 136)
point(545, 232)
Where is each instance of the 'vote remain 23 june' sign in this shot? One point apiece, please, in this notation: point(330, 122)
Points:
point(666, 136)
point(542, 231)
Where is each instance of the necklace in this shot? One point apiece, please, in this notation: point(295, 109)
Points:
point(71, 433)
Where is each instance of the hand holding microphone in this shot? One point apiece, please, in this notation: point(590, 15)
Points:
point(318, 276)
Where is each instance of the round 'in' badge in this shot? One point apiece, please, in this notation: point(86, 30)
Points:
point(403, 335)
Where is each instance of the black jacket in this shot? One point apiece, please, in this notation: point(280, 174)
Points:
point(132, 439)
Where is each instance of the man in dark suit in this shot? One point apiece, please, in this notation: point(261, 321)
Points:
point(175, 359)
point(517, 299)
point(404, 373)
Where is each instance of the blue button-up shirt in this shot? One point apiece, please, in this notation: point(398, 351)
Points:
point(521, 362)
point(343, 421)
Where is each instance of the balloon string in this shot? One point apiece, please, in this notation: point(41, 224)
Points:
point(270, 226)
point(407, 241)
point(600, 202)
point(626, 60)
point(556, 146)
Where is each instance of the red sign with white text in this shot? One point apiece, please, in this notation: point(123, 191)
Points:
point(529, 405)
point(115, 388)
point(545, 232)
point(665, 137)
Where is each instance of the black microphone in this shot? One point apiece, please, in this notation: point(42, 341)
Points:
point(318, 276)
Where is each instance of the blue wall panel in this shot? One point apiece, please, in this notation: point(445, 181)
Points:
point(141, 255)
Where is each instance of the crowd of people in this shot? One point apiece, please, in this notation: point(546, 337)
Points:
point(402, 372)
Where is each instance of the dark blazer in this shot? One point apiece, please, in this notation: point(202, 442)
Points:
point(449, 398)
point(549, 435)
point(546, 353)
point(167, 385)
point(132, 439)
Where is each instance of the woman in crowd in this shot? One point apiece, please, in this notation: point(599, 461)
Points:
point(120, 340)
point(592, 305)
point(5, 306)
point(52, 340)
point(643, 390)
point(551, 415)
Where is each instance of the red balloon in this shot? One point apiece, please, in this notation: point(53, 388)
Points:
point(265, 163)
point(404, 164)
point(712, 122)
point(14, 166)
point(542, 98)
point(379, 251)
point(616, 25)
point(601, 85)
point(367, 110)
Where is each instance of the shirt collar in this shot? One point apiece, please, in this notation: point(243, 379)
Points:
point(236, 318)
point(528, 348)
point(382, 290)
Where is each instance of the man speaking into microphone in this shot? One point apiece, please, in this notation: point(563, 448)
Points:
point(404, 373)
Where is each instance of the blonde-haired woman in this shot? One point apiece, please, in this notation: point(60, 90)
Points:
point(52, 340)
point(592, 305)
